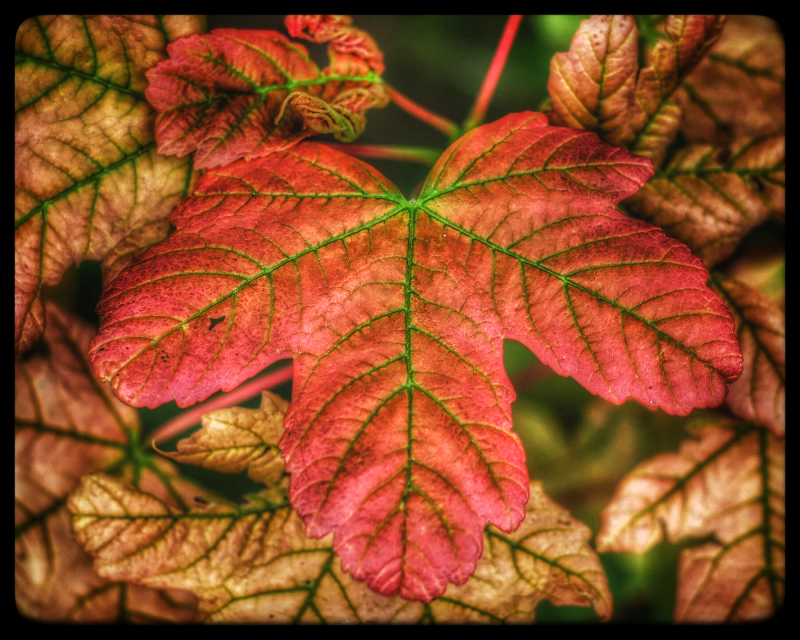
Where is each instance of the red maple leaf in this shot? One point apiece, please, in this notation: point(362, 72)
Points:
point(235, 93)
point(398, 436)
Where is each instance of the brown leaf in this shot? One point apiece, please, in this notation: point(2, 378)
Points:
point(711, 197)
point(762, 268)
point(592, 85)
point(727, 484)
point(88, 181)
point(255, 564)
point(657, 110)
point(760, 394)
point(234, 439)
point(67, 424)
point(739, 89)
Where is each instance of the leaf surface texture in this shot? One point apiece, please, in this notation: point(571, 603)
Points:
point(398, 435)
point(66, 425)
point(760, 394)
point(727, 484)
point(255, 563)
point(236, 93)
point(88, 183)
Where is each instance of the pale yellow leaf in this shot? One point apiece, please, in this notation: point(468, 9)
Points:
point(255, 564)
point(727, 484)
point(234, 439)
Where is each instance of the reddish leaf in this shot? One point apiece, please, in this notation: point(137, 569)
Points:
point(398, 434)
point(348, 44)
point(728, 483)
point(88, 183)
point(760, 394)
point(595, 86)
point(592, 85)
point(236, 93)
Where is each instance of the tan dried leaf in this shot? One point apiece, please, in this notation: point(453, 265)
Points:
point(711, 197)
point(66, 425)
point(760, 394)
point(592, 85)
point(739, 89)
point(547, 558)
point(728, 484)
point(234, 439)
point(88, 182)
point(255, 563)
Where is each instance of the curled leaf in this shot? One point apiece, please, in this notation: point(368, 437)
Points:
point(711, 197)
point(88, 183)
point(592, 86)
point(226, 93)
point(255, 563)
point(760, 394)
point(347, 42)
point(728, 484)
point(234, 439)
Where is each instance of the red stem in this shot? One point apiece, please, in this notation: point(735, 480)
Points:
point(243, 392)
point(448, 127)
point(478, 112)
point(423, 155)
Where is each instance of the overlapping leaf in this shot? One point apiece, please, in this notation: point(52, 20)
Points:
point(739, 89)
point(729, 484)
point(592, 86)
point(349, 46)
point(596, 86)
point(67, 425)
point(255, 563)
point(657, 108)
point(760, 394)
point(236, 439)
point(711, 197)
point(235, 93)
point(88, 182)
point(398, 435)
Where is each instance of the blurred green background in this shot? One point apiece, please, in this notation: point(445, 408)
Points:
point(578, 445)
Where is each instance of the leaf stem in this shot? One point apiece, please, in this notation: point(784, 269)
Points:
point(243, 392)
point(481, 105)
point(447, 127)
point(424, 155)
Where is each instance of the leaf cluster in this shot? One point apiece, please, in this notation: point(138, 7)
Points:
point(392, 487)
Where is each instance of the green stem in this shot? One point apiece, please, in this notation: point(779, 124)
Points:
point(424, 155)
point(243, 392)
point(448, 127)
point(478, 112)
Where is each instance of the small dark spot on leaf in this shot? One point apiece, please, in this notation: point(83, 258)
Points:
point(564, 522)
point(757, 184)
point(200, 500)
point(723, 155)
point(215, 322)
